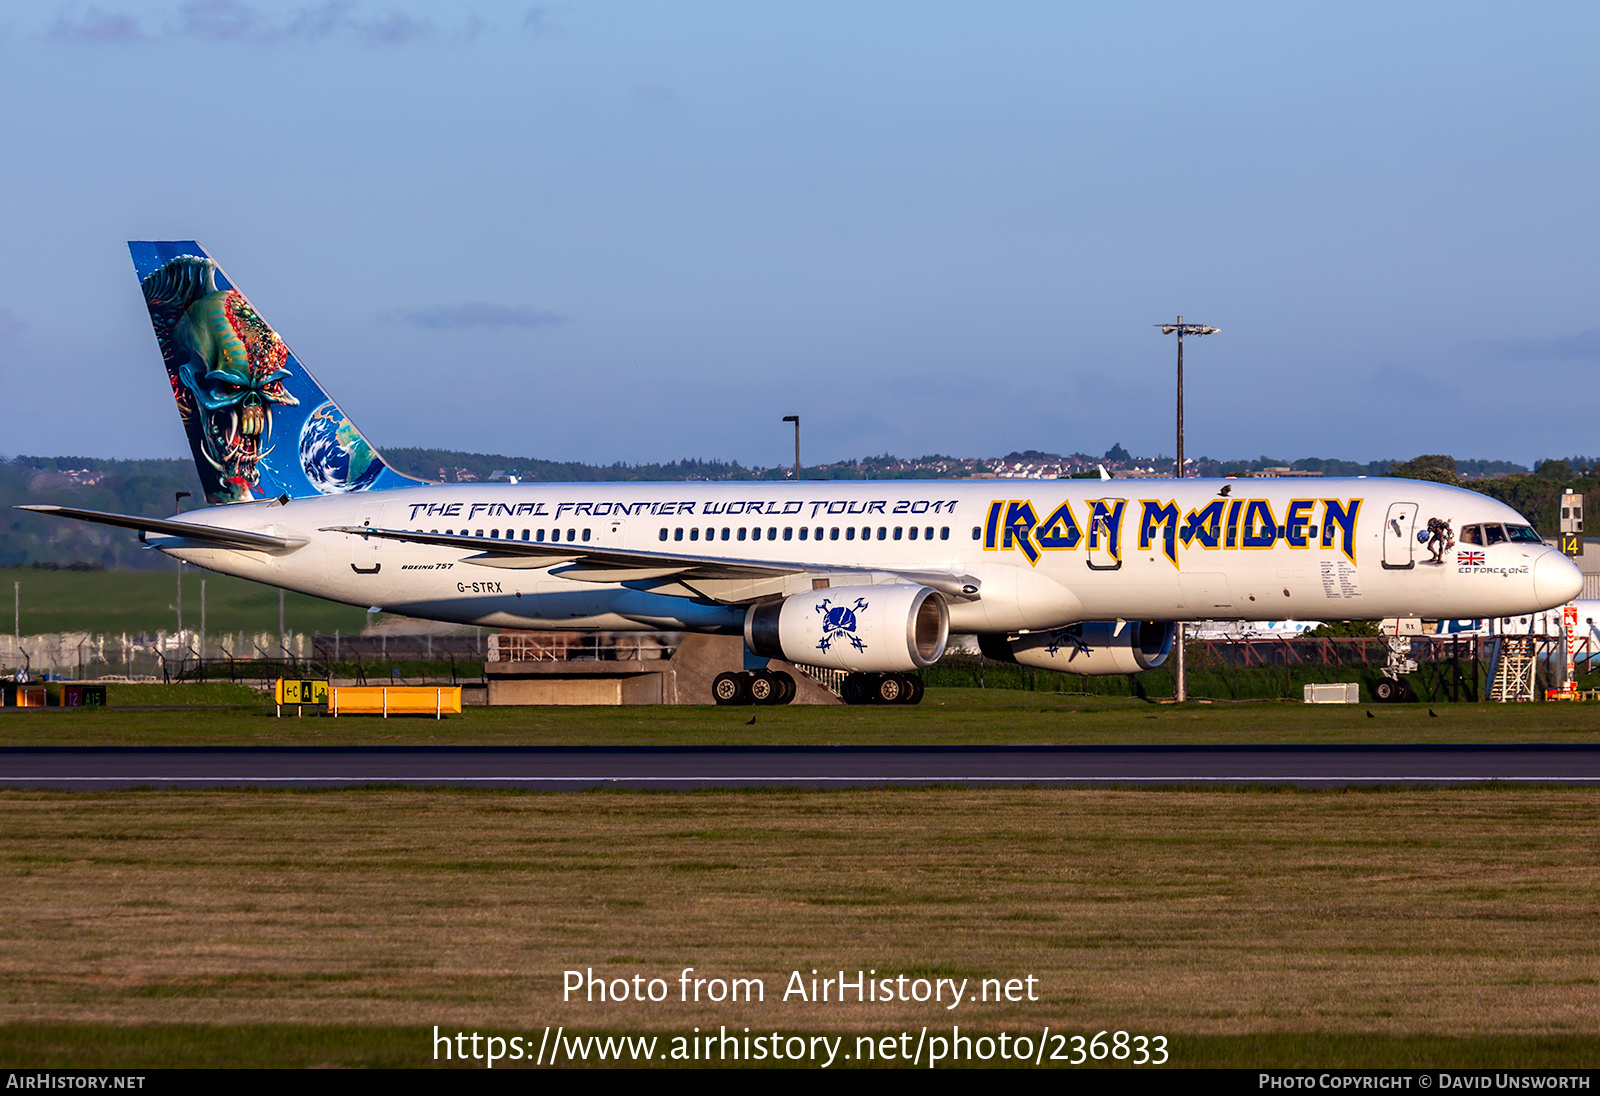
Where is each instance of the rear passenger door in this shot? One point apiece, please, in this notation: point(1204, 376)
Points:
point(364, 550)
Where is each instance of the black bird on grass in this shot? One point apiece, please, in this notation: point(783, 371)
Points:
point(750, 722)
point(1433, 713)
point(1370, 715)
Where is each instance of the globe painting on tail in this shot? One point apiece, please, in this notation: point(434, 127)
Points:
point(259, 424)
point(334, 455)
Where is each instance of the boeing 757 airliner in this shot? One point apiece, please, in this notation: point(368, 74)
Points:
point(1087, 576)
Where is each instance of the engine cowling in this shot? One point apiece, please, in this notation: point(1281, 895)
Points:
point(858, 628)
point(1093, 647)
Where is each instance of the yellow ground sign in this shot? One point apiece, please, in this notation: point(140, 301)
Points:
point(288, 690)
point(395, 700)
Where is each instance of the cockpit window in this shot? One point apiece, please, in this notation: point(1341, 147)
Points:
point(1524, 534)
point(1494, 534)
point(1472, 534)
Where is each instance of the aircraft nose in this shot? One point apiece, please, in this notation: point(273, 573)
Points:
point(1556, 579)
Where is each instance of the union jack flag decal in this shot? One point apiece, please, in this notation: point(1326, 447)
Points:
point(1469, 559)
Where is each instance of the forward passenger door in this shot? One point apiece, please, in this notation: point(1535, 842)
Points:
point(1399, 536)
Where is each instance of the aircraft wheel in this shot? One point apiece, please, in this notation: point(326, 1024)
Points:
point(787, 686)
point(857, 689)
point(731, 689)
point(765, 688)
point(915, 695)
point(1386, 691)
point(892, 689)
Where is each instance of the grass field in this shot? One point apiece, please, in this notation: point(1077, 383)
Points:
point(1443, 928)
point(946, 717)
point(140, 602)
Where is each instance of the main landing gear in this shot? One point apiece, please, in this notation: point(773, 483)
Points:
point(777, 687)
point(753, 687)
point(881, 689)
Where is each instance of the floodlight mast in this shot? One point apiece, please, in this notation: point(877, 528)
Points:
point(1180, 329)
point(796, 420)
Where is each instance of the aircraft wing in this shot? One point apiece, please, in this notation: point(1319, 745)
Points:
point(219, 536)
point(594, 563)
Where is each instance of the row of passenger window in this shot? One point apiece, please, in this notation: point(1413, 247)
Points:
point(534, 535)
point(1473, 534)
point(806, 533)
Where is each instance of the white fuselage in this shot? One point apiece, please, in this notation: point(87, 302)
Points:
point(1160, 549)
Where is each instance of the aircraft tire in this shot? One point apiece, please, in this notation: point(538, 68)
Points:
point(890, 689)
point(914, 696)
point(857, 689)
point(765, 688)
point(731, 689)
point(786, 683)
point(1386, 691)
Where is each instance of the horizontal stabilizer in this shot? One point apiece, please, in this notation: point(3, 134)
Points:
point(189, 530)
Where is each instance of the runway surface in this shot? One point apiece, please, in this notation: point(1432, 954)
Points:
point(576, 768)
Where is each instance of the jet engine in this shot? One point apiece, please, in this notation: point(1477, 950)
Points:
point(858, 628)
point(1093, 647)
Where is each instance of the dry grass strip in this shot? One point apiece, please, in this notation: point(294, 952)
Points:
point(1433, 912)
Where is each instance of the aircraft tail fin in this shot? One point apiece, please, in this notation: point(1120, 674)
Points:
point(258, 422)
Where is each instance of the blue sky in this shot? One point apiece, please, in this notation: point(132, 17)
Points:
point(636, 232)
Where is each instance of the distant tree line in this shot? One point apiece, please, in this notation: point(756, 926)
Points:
point(143, 487)
point(449, 466)
point(1537, 496)
point(147, 487)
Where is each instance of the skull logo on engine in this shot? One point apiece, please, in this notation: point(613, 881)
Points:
point(840, 621)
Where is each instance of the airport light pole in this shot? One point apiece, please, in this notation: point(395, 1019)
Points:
point(1181, 685)
point(177, 507)
point(796, 420)
point(1181, 329)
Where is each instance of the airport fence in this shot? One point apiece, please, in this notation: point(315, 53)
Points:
point(260, 658)
point(163, 656)
point(512, 646)
point(1448, 669)
point(1213, 681)
point(1313, 651)
point(255, 659)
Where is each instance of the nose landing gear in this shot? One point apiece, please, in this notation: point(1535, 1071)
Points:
point(1393, 691)
point(1393, 688)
